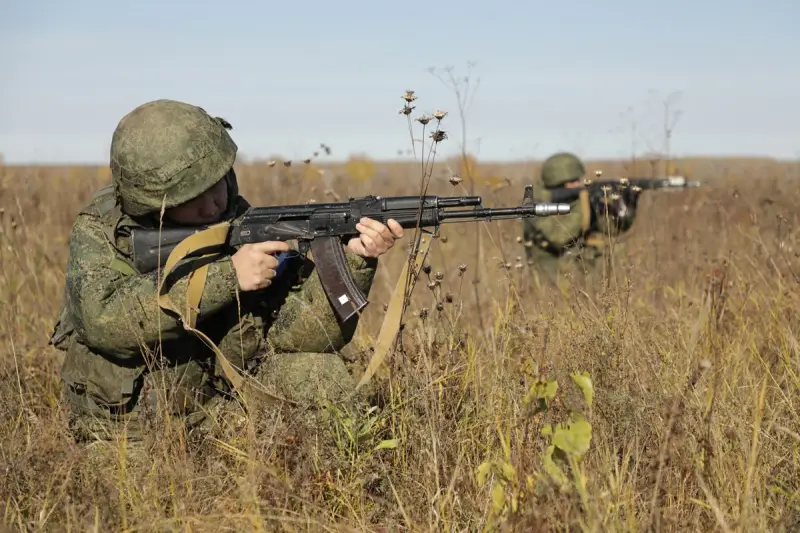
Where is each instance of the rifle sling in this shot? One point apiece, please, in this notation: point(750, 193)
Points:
point(586, 210)
point(394, 313)
point(214, 236)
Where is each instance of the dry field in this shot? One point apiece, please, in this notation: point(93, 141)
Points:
point(691, 348)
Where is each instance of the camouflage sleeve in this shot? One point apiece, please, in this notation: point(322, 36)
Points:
point(306, 321)
point(117, 313)
point(558, 231)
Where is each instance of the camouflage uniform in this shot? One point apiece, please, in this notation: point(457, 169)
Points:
point(572, 245)
point(125, 357)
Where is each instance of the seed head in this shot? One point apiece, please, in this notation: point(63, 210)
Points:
point(406, 110)
point(439, 306)
point(424, 119)
point(455, 179)
point(307, 161)
point(432, 285)
point(287, 163)
point(423, 314)
point(438, 136)
point(271, 163)
point(519, 239)
point(439, 115)
point(409, 96)
point(448, 298)
point(426, 269)
point(439, 276)
point(443, 239)
point(462, 268)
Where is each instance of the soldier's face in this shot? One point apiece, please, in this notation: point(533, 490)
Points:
point(205, 209)
point(573, 184)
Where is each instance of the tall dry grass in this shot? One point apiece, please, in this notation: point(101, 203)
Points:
point(692, 350)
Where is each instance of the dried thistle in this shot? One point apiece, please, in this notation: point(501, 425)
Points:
point(519, 239)
point(423, 314)
point(426, 269)
point(409, 96)
point(462, 268)
point(424, 119)
point(439, 276)
point(271, 163)
point(432, 285)
point(307, 161)
point(438, 136)
point(439, 306)
point(439, 115)
point(443, 238)
point(406, 110)
point(455, 179)
point(287, 163)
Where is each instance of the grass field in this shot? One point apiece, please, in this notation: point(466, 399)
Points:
point(691, 347)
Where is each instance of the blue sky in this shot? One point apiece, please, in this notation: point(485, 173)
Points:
point(573, 75)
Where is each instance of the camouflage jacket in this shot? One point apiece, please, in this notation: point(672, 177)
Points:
point(114, 332)
point(583, 227)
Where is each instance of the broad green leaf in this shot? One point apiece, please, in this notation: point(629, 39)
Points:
point(552, 468)
point(584, 382)
point(509, 472)
point(574, 437)
point(498, 498)
point(390, 444)
point(543, 392)
point(483, 472)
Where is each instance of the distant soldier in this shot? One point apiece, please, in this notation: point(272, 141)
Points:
point(126, 358)
point(576, 242)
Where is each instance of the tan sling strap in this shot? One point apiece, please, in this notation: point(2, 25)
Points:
point(596, 240)
point(391, 322)
point(586, 210)
point(209, 238)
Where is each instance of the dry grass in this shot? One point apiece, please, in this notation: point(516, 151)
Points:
point(693, 351)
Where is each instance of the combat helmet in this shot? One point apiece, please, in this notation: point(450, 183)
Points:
point(561, 168)
point(168, 152)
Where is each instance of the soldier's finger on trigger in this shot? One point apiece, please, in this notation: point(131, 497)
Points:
point(270, 247)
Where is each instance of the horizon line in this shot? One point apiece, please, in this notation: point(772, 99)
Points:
point(245, 160)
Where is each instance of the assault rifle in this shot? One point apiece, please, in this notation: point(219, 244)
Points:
point(628, 188)
point(324, 227)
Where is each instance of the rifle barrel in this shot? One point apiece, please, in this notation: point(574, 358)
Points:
point(541, 209)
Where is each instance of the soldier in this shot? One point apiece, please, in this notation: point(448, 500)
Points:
point(573, 243)
point(125, 356)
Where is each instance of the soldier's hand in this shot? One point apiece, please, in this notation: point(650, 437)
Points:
point(255, 264)
point(375, 239)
